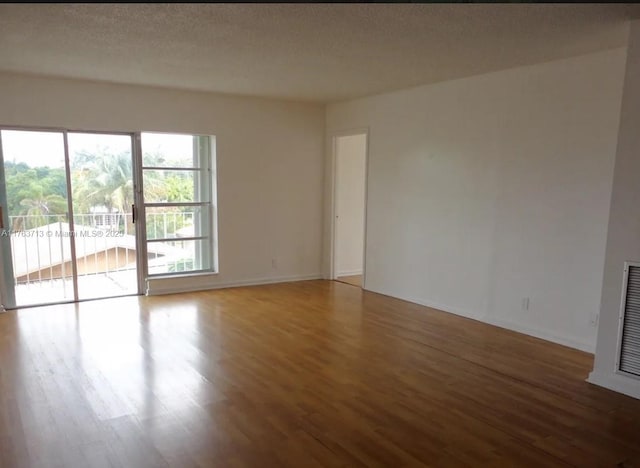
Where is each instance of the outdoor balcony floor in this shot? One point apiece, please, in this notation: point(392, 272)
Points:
point(89, 287)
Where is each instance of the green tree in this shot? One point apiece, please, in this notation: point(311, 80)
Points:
point(102, 178)
point(99, 178)
point(34, 195)
point(42, 209)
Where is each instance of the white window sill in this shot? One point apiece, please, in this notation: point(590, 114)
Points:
point(182, 275)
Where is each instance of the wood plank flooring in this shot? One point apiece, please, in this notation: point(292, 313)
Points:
point(308, 374)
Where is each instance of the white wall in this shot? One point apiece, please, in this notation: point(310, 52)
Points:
point(489, 189)
point(269, 160)
point(351, 154)
point(623, 241)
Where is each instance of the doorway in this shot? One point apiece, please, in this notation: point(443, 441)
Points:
point(349, 208)
point(67, 230)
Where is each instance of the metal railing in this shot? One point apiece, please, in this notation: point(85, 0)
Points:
point(105, 243)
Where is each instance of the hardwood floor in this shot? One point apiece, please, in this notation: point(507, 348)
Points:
point(353, 280)
point(315, 373)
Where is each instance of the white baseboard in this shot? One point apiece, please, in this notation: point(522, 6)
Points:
point(232, 284)
point(544, 335)
point(571, 342)
point(349, 273)
point(524, 329)
point(450, 310)
point(616, 382)
point(434, 305)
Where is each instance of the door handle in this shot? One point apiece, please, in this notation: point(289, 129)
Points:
point(1, 218)
point(133, 214)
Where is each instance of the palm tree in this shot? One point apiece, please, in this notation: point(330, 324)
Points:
point(104, 179)
point(38, 210)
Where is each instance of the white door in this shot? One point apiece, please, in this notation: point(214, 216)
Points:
point(350, 183)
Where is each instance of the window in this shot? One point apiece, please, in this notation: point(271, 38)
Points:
point(178, 182)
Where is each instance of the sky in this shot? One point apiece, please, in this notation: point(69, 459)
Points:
point(39, 149)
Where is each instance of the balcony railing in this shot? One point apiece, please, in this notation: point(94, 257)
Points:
point(105, 245)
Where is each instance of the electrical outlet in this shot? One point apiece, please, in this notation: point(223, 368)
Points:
point(525, 303)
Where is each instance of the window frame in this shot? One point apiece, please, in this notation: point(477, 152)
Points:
point(206, 248)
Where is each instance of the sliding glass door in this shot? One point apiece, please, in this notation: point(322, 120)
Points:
point(67, 228)
point(36, 253)
point(87, 215)
point(102, 194)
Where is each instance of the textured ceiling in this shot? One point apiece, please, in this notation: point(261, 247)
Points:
point(315, 52)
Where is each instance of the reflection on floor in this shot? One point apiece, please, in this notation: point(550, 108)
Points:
point(306, 374)
point(354, 280)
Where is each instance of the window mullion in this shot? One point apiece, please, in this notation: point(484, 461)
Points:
point(165, 218)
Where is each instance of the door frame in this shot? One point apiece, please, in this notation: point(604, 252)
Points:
point(136, 161)
point(334, 188)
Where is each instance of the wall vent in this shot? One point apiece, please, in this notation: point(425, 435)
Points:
point(629, 350)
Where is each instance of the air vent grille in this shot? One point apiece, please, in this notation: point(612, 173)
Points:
point(630, 342)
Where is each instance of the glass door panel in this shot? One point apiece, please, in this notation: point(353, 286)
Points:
point(37, 263)
point(103, 195)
